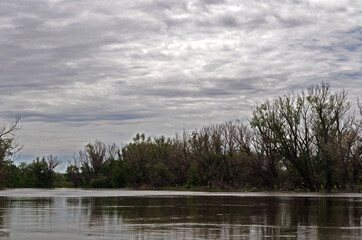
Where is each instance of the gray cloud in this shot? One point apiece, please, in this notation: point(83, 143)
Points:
point(83, 70)
point(77, 118)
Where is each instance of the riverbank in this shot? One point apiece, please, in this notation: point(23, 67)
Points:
point(79, 192)
point(250, 190)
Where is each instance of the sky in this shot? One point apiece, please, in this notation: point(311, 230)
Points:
point(76, 71)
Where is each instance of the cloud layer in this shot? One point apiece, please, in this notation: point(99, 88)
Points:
point(76, 71)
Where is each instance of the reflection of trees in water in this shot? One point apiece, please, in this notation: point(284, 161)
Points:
point(87, 208)
point(88, 213)
point(221, 217)
point(21, 213)
point(339, 212)
point(96, 212)
point(3, 208)
point(188, 217)
point(39, 210)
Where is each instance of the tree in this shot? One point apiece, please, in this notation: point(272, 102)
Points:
point(40, 173)
point(284, 134)
point(149, 161)
point(311, 134)
point(93, 160)
point(8, 148)
point(73, 174)
point(330, 126)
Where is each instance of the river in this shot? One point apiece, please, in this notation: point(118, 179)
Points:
point(37, 214)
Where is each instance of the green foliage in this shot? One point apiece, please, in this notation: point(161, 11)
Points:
point(193, 178)
point(38, 174)
point(73, 175)
point(119, 173)
point(100, 181)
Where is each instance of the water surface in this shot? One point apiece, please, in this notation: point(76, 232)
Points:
point(121, 214)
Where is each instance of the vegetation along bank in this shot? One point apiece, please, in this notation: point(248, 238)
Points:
point(309, 141)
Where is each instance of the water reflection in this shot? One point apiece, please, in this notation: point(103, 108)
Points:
point(3, 208)
point(192, 217)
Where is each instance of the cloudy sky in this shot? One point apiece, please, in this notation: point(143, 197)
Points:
point(80, 70)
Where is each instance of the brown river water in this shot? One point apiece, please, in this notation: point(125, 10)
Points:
point(58, 214)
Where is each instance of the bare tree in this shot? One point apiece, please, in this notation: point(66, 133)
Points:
point(93, 160)
point(8, 148)
point(311, 133)
point(93, 157)
point(53, 162)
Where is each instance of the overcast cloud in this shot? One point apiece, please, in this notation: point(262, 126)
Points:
point(76, 71)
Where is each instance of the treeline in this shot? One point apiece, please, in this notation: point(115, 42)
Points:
point(38, 174)
point(308, 140)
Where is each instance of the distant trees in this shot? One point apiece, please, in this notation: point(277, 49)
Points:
point(305, 140)
point(218, 155)
point(38, 174)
